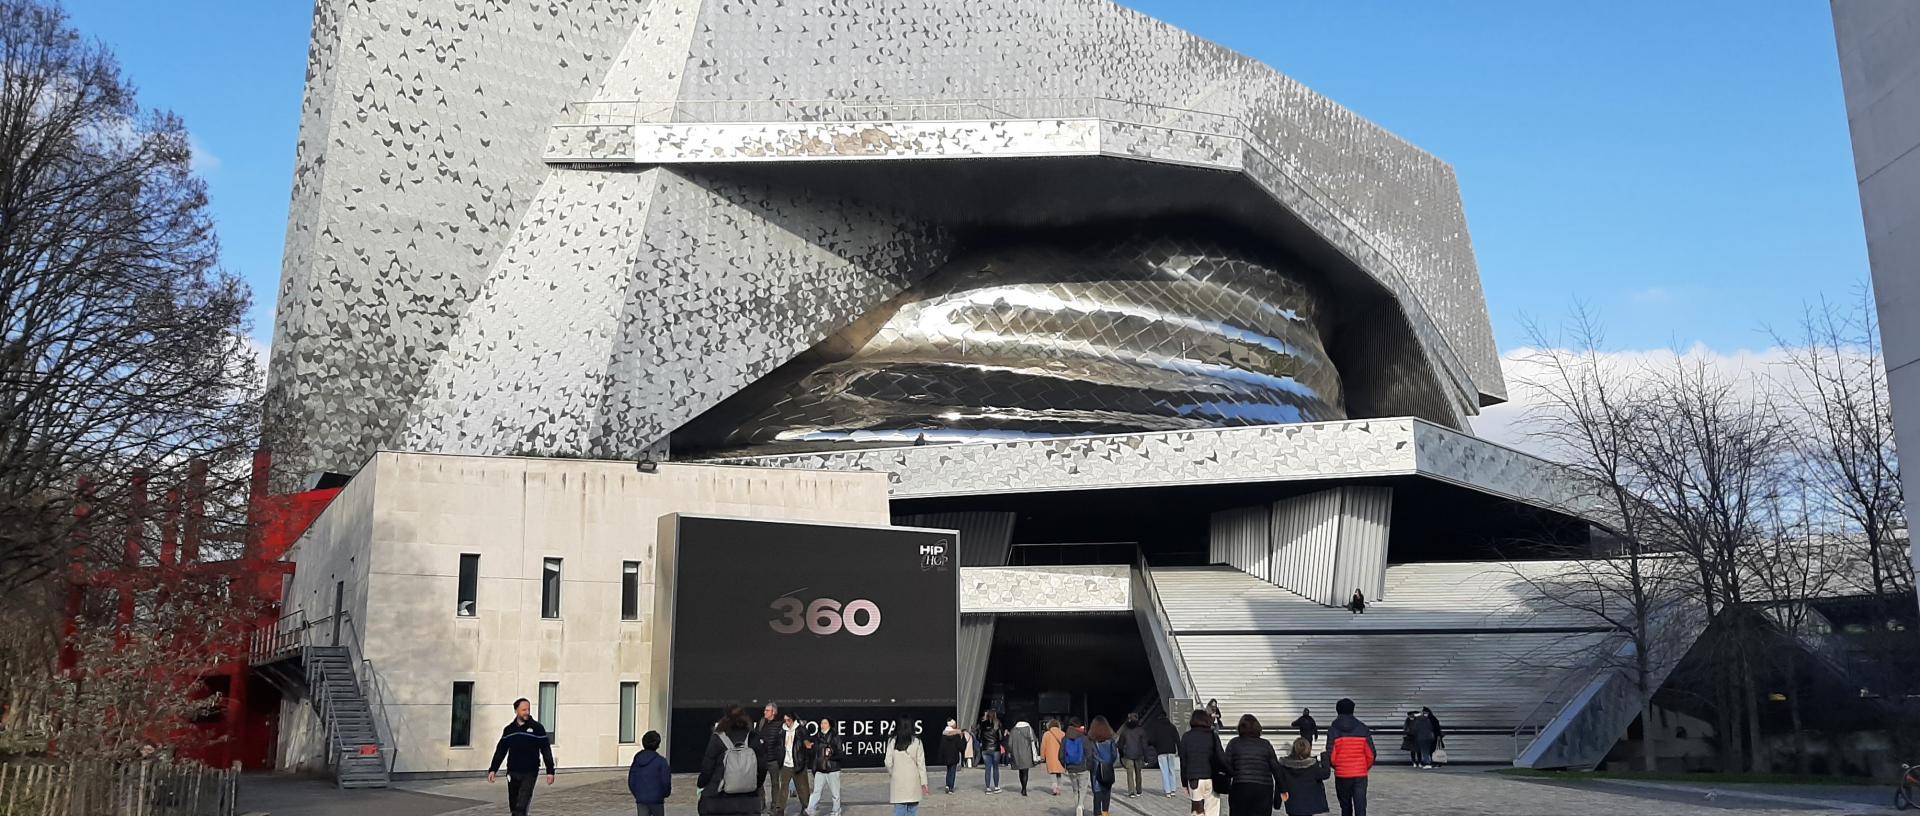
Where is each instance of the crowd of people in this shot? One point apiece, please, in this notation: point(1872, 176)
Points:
point(751, 766)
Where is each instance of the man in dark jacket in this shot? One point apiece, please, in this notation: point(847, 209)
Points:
point(523, 744)
point(772, 745)
point(828, 750)
point(1165, 744)
point(1136, 750)
point(796, 767)
point(648, 778)
point(1309, 730)
point(1350, 747)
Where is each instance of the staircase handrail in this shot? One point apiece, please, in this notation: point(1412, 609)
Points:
point(369, 682)
point(1554, 703)
point(1185, 689)
point(284, 635)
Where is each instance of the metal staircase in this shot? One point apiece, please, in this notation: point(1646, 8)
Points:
point(353, 741)
point(330, 679)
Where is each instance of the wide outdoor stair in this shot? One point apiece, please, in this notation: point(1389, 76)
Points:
point(353, 740)
point(1472, 641)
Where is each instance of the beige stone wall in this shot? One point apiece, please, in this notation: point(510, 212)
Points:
point(427, 510)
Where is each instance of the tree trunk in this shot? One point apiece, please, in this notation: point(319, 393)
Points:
point(1802, 760)
point(1648, 756)
point(1750, 703)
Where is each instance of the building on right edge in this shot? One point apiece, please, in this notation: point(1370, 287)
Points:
point(1879, 44)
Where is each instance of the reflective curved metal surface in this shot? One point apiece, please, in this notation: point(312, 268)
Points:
point(1051, 339)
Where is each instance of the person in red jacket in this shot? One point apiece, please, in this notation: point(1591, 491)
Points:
point(1350, 748)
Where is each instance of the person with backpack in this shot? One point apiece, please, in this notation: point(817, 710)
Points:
point(1135, 751)
point(1303, 780)
point(730, 774)
point(523, 744)
point(1351, 751)
point(1076, 756)
point(1050, 751)
point(1256, 770)
point(993, 742)
point(906, 770)
point(828, 750)
point(648, 778)
point(1100, 771)
point(1023, 749)
point(953, 751)
point(1166, 752)
point(1204, 770)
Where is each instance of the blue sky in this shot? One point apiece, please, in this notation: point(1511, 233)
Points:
point(1684, 168)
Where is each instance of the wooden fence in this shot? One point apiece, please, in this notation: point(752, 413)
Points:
point(116, 789)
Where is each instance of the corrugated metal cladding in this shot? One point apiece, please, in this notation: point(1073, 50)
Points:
point(976, 643)
point(1365, 517)
point(1306, 543)
point(1236, 535)
point(1321, 546)
point(986, 538)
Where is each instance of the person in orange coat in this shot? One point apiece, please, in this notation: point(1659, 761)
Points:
point(1050, 751)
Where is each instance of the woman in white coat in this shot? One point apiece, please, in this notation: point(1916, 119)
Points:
point(906, 771)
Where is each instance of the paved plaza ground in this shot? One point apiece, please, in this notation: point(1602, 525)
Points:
point(1396, 791)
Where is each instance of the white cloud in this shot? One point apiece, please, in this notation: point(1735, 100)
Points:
point(1657, 294)
point(203, 161)
point(1505, 423)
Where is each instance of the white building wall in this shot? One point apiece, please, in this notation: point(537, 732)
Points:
point(418, 513)
point(335, 548)
point(1879, 43)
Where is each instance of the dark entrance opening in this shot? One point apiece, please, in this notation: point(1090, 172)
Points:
point(1064, 666)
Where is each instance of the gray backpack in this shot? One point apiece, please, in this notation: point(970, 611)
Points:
point(740, 768)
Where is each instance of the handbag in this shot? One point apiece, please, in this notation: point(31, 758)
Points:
point(1439, 756)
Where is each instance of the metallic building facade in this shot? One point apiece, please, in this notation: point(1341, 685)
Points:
point(575, 228)
point(1049, 339)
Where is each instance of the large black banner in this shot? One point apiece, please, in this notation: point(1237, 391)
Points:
point(854, 624)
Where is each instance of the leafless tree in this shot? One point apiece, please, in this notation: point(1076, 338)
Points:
point(1783, 576)
point(121, 339)
point(1835, 399)
point(1587, 409)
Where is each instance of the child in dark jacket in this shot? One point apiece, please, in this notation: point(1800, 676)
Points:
point(648, 779)
point(1303, 780)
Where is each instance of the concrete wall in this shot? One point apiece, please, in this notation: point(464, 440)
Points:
point(1879, 44)
point(336, 548)
point(419, 512)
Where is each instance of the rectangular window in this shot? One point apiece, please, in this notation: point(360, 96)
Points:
point(629, 590)
point(550, 588)
point(462, 715)
point(469, 585)
point(549, 713)
point(628, 691)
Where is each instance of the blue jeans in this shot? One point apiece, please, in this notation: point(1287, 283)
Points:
point(993, 770)
point(953, 772)
point(909, 809)
point(1169, 774)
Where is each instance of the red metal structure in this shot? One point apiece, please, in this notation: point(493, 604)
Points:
point(244, 728)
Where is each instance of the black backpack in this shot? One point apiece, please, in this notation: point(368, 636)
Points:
point(1104, 755)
